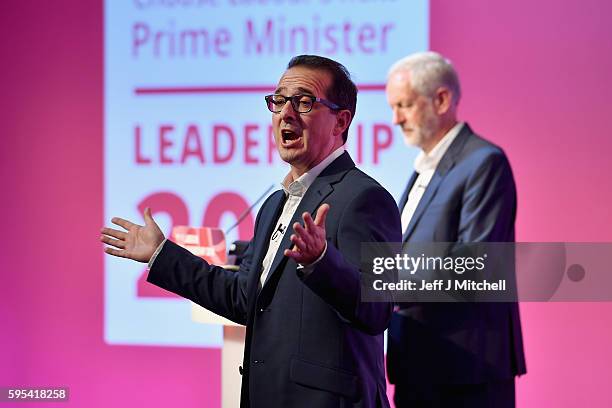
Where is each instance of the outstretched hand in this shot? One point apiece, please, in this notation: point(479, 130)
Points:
point(309, 240)
point(138, 243)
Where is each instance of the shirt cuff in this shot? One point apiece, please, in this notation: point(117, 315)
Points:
point(157, 251)
point(306, 270)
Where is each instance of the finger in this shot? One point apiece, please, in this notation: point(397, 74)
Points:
point(302, 233)
point(321, 215)
point(295, 255)
point(148, 218)
point(114, 233)
point(298, 242)
point(308, 222)
point(116, 252)
point(114, 242)
point(123, 223)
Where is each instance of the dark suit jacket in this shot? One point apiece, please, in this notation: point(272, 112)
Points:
point(470, 198)
point(310, 342)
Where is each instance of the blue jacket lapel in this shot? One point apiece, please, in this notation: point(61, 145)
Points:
point(447, 162)
point(266, 223)
point(404, 199)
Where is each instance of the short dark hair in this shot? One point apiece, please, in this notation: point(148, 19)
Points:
point(342, 92)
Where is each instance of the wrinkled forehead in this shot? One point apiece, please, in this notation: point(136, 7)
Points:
point(399, 78)
point(399, 84)
point(304, 80)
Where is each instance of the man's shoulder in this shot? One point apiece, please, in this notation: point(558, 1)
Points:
point(361, 199)
point(477, 150)
point(358, 184)
point(343, 173)
point(357, 178)
point(476, 143)
point(357, 175)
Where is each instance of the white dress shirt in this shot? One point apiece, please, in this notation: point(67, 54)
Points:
point(294, 191)
point(425, 165)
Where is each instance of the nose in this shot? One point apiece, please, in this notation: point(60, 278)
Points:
point(287, 112)
point(398, 118)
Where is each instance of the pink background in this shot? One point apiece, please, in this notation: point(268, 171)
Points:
point(536, 79)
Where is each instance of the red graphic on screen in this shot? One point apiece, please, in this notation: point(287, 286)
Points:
point(211, 244)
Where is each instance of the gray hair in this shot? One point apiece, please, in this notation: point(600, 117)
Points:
point(428, 71)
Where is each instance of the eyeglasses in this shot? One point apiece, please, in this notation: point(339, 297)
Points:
point(300, 103)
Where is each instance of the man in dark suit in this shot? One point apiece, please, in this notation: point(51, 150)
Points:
point(310, 341)
point(462, 190)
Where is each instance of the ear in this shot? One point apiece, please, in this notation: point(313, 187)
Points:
point(442, 100)
point(343, 120)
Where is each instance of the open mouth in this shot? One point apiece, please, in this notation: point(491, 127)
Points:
point(290, 137)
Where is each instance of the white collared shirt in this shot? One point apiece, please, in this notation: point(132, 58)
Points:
point(425, 165)
point(294, 192)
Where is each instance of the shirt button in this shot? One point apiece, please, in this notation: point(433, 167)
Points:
point(258, 361)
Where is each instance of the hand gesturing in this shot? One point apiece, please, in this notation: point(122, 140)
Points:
point(309, 240)
point(138, 243)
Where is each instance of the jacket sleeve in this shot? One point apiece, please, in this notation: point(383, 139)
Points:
point(489, 202)
point(219, 290)
point(371, 216)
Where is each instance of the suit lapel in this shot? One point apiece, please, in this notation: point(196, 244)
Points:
point(404, 199)
point(447, 162)
point(321, 187)
point(432, 187)
point(269, 216)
